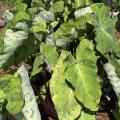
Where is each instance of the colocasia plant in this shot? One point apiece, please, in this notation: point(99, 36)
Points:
point(60, 60)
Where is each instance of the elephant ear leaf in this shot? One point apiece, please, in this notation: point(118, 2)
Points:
point(76, 77)
point(16, 42)
point(62, 95)
point(105, 33)
point(82, 74)
point(104, 27)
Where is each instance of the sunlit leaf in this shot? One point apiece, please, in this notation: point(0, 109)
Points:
point(104, 27)
point(82, 74)
point(58, 6)
point(62, 95)
point(11, 87)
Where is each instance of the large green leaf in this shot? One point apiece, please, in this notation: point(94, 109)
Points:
point(104, 27)
point(83, 82)
point(82, 74)
point(11, 87)
point(112, 75)
point(16, 47)
point(62, 95)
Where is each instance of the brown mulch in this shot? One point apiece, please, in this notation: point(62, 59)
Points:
point(118, 35)
point(3, 7)
point(102, 116)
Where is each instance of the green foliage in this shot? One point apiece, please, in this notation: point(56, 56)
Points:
point(30, 109)
point(113, 69)
point(81, 73)
point(15, 41)
point(37, 66)
point(116, 49)
point(66, 105)
point(58, 6)
point(104, 28)
point(11, 91)
point(50, 53)
point(66, 39)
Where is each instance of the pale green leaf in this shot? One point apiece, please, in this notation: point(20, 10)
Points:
point(39, 26)
point(21, 6)
point(54, 24)
point(104, 27)
point(58, 6)
point(82, 74)
point(21, 16)
point(86, 116)
point(11, 87)
point(62, 95)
